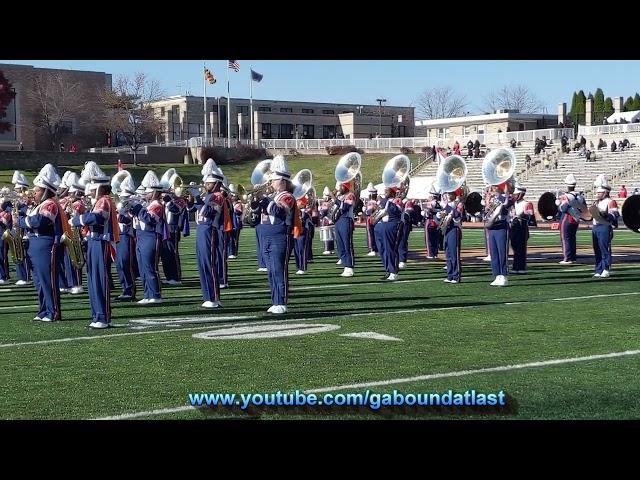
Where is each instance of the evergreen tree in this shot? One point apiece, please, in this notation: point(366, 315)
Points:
point(572, 110)
point(581, 107)
point(636, 102)
point(608, 107)
point(628, 105)
point(598, 107)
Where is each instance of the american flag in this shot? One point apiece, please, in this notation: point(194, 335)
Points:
point(234, 65)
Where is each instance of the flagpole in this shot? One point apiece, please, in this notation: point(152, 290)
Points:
point(204, 77)
point(228, 109)
point(251, 101)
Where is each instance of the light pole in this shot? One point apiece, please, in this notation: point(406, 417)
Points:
point(380, 102)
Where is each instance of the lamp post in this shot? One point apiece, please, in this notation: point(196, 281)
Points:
point(380, 102)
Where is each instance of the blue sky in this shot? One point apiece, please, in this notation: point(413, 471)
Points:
point(362, 81)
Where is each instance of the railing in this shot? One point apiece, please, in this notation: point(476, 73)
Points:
point(603, 129)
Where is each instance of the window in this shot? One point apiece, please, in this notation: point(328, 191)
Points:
point(307, 131)
point(307, 110)
point(175, 111)
point(266, 130)
point(328, 131)
point(243, 109)
point(264, 109)
point(402, 131)
point(286, 110)
point(328, 112)
point(347, 111)
point(162, 111)
point(66, 127)
point(443, 132)
point(286, 130)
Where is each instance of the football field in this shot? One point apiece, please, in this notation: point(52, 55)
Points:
point(559, 343)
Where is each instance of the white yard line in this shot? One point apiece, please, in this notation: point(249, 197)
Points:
point(396, 381)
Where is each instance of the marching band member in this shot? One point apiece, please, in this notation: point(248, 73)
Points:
point(64, 281)
point(24, 268)
point(324, 210)
point(276, 246)
point(602, 228)
point(6, 224)
point(151, 232)
point(224, 223)
point(498, 240)
point(452, 214)
point(312, 211)
point(568, 224)
point(126, 247)
point(73, 205)
point(344, 227)
point(209, 210)
point(236, 217)
point(432, 222)
point(387, 232)
point(488, 197)
point(177, 218)
point(406, 225)
point(103, 234)
point(519, 232)
point(369, 209)
point(301, 244)
point(45, 227)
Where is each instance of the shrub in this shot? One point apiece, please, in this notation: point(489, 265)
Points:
point(343, 149)
point(294, 153)
point(407, 150)
point(222, 155)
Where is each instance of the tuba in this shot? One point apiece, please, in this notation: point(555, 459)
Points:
point(631, 213)
point(547, 207)
point(176, 185)
point(498, 167)
point(347, 170)
point(74, 247)
point(450, 176)
point(302, 183)
point(395, 174)
point(14, 241)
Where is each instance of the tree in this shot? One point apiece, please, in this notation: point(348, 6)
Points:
point(516, 97)
point(572, 110)
point(636, 102)
point(440, 102)
point(6, 97)
point(581, 107)
point(58, 101)
point(598, 107)
point(608, 107)
point(628, 105)
point(127, 110)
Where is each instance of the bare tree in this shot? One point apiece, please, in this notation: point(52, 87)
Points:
point(516, 97)
point(440, 102)
point(127, 110)
point(58, 101)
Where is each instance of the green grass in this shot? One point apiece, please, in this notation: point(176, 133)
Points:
point(322, 167)
point(444, 328)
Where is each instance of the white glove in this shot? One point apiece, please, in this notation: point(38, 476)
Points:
point(557, 203)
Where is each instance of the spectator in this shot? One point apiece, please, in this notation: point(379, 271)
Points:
point(61, 147)
point(73, 148)
point(21, 147)
point(513, 143)
point(456, 148)
point(583, 141)
point(588, 155)
point(469, 148)
point(623, 192)
point(527, 161)
point(636, 192)
point(613, 145)
point(621, 146)
point(626, 143)
point(555, 163)
point(591, 145)
point(434, 152)
point(547, 163)
point(602, 144)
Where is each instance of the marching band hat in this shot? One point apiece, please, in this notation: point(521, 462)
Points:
point(280, 168)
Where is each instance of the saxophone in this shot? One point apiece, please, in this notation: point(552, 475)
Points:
point(73, 242)
point(14, 241)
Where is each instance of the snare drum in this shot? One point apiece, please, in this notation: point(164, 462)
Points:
point(328, 233)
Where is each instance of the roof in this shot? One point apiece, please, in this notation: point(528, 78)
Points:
point(490, 117)
point(630, 117)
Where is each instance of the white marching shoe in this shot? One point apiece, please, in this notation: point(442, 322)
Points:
point(76, 290)
point(154, 300)
point(371, 254)
point(597, 275)
point(262, 269)
point(605, 274)
point(500, 281)
point(20, 283)
point(64, 290)
point(208, 304)
point(339, 262)
point(347, 272)
point(224, 285)
point(446, 280)
point(2, 282)
point(98, 325)
point(46, 319)
point(232, 257)
point(487, 258)
point(174, 282)
point(37, 318)
point(392, 277)
point(279, 309)
point(402, 265)
point(144, 300)
point(300, 272)
point(565, 262)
